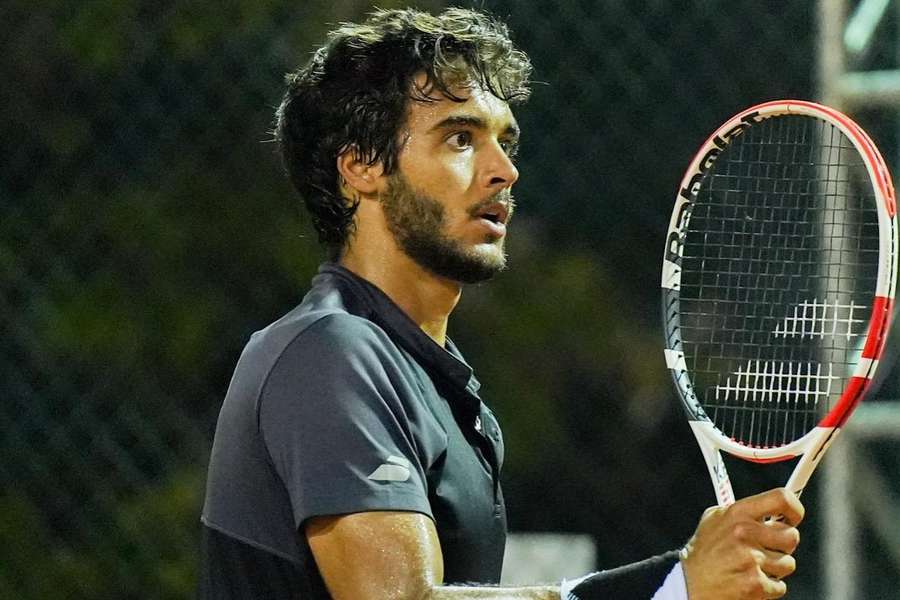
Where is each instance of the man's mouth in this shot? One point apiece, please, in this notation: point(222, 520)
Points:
point(495, 212)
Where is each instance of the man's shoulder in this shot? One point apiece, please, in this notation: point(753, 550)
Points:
point(327, 344)
point(324, 330)
point(334, 325)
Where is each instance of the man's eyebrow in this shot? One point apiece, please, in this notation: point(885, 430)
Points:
point(512, 130)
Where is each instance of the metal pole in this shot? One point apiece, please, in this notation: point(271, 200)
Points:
point(832, 61)
point(840, 552)
point(839, 542)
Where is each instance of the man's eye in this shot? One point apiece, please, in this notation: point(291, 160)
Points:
point(461, 140)
point(511, 148)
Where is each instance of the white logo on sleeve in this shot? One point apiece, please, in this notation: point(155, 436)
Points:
point(395, 469)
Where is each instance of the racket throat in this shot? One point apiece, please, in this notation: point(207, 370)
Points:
point(718, 473)
point(820, 439)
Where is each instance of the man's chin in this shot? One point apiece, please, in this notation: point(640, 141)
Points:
point(471, 267)
point(483, 263)
point(491, 256)
point(456, 261)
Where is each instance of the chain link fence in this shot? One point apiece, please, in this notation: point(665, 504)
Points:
point(146, 229)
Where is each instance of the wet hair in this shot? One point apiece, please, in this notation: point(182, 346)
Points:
point(354, 93)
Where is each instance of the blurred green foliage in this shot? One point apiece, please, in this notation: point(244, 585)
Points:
point(149, 551)
point(146, 230)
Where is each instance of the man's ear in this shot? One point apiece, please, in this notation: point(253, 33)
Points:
point(358, 175)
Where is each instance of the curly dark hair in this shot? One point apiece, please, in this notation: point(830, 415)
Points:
point(354, 93)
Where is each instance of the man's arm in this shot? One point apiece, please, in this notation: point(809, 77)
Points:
point(734, 555)
point(393, 556)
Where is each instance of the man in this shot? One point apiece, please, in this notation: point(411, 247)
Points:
point(353, 456)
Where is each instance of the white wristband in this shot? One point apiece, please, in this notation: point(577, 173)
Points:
point(674, 587)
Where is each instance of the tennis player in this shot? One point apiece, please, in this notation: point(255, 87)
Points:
point(353, 456)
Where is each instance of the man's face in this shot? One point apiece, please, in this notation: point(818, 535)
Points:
point(448, 204)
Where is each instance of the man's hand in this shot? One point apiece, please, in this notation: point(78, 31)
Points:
point(736, 554)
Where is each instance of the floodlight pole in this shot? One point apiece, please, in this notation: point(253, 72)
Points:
point(846, 494)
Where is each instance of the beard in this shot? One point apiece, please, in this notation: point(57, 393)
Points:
point(418, 223)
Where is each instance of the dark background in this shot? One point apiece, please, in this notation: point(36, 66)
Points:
point(146, 229)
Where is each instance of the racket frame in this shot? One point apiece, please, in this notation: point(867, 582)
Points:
point(812, 446)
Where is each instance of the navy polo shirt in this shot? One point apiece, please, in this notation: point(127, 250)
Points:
point(345, 405)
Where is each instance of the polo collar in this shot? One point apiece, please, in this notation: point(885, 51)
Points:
point(447, 362)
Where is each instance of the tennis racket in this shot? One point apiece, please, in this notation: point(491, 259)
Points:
point(778, 284)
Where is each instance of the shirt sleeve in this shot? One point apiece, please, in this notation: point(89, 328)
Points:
point(332, 415)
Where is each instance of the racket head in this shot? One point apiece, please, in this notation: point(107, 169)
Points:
point(778, 277)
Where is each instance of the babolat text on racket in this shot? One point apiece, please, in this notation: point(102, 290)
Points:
point(778, 284)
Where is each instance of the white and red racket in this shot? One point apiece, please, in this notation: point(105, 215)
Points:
point(778, 284)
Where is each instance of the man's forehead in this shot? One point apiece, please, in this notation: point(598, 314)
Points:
point(477, 102)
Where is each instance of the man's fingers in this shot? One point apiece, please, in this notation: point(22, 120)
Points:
point(745, 546)
point(778, 536)
point(773, 588)
point(774, 503)
point(777, 565)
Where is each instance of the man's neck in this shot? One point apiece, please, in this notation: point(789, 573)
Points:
point(426, 298)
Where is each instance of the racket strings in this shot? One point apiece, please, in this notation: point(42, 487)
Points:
point(779, 264)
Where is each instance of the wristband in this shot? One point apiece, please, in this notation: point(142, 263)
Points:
point(637, 581)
